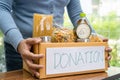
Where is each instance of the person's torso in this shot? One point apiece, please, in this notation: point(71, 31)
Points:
point(23, 11)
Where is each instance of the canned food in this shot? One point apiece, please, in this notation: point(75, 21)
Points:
point(46, 38)
point(83, 40)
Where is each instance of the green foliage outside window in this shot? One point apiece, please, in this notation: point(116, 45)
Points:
point(109, 26)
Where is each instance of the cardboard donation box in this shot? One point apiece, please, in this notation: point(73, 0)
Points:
point(69, 58)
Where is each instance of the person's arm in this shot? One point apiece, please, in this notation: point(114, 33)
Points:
point(74, 9)
point(23, 46)
point(7, 24)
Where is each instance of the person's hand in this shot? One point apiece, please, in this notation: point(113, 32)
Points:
point(108, 50)
point(24, 48)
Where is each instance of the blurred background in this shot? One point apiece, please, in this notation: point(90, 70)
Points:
point(104, 16)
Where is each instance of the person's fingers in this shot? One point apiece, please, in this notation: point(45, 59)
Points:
point(35, 73)
point(29, 55)
point(108, 49)
point(33, 40)
point(31, 65)
point(109, 57)
point(108, 64)
point(35, 56)
point(105, 40)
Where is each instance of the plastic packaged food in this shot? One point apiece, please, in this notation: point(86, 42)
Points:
point(95, 38)
point(63, 35)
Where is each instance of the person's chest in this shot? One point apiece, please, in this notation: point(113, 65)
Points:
point(42, 2)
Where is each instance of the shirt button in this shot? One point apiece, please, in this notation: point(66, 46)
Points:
point(51, 9)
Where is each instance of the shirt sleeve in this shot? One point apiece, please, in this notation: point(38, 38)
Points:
point(7, 24)
point(74, 9)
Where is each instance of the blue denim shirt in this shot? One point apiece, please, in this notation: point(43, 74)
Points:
point(16, 16)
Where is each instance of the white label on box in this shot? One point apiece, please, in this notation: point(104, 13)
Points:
point(74, 59)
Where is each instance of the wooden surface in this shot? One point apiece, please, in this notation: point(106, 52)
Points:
point(23, 75)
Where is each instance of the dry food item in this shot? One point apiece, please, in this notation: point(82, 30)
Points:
point(63, 35)
point(43, 25)
point(95, 38)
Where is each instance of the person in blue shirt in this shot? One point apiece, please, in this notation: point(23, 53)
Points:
point(16, 21)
